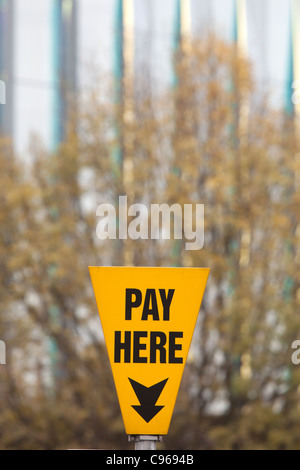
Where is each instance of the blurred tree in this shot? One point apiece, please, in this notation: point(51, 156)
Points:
point(213, 140)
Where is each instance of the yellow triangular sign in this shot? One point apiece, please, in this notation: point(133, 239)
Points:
point(148, 316)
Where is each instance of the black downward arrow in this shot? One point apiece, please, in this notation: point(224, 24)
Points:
point(147, 397)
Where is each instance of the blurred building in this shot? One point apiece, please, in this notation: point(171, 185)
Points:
point(50, 47)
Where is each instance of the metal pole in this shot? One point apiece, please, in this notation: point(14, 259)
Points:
point(145, 442)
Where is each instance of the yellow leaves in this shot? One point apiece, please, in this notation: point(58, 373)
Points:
point(185, 146)
point(214, 90)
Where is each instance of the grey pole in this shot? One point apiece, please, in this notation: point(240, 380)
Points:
point(145, 442)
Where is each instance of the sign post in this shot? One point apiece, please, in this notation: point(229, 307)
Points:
point(148, 316)
point(145, 442)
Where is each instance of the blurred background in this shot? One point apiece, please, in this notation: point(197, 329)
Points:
point(181, 101)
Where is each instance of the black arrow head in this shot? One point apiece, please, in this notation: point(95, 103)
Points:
point(147, 397)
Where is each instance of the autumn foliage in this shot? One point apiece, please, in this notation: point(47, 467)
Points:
point(211, 138)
